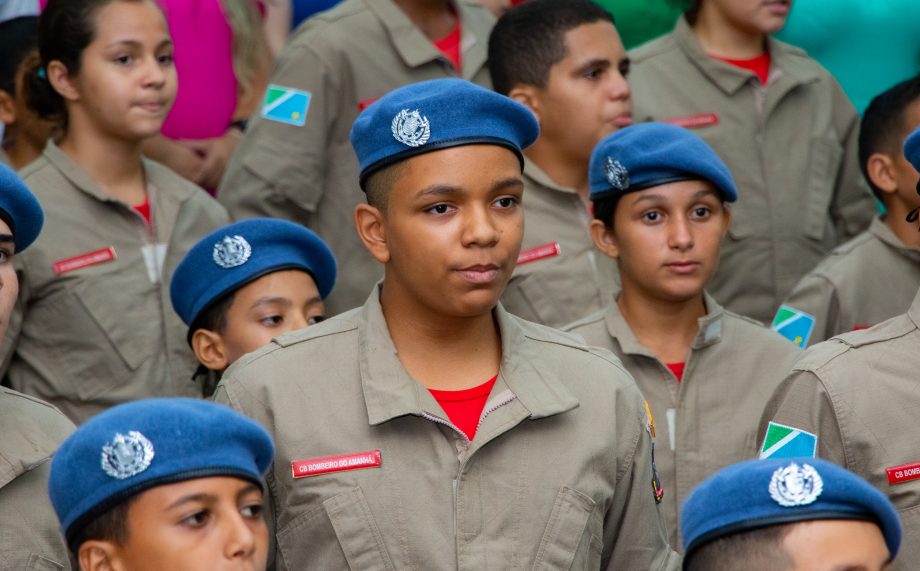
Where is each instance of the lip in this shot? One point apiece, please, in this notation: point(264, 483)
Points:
point(623, 120)
point(777, 7)
point(683, 267)
point(151, 106)
point(479, 274)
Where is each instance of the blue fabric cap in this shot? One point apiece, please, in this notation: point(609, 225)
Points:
point(234, 255)
point(912, 148)
point(136, 446)
point(438, 114)
point(651, 154)
point(19, 208)
point(760, 493)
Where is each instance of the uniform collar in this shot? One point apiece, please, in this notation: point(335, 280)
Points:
point(880, 230)
point(536, 174)
point(709, 332)
point(416, 50)
point(389, 391)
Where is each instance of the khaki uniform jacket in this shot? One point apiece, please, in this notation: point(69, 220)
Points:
point(709, 419)
point(791, 147)
point(345, 59)
point(871, 278)
point(95, 327)
point(30, 432)
point(558, 475)
point(859, 394)
point(560, 276)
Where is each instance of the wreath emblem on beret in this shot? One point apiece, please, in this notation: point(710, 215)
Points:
point(795, 485)
point(617, 175)
point(231, 252)
point(411, 128)
point(127, 456)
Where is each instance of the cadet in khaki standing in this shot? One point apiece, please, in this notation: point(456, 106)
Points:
point(430, 429)
point(782, 125)
point(659, 195)
point(295, 161)
point(854, 400)
point(874, 276)
point(94, 325)
point(30, 430)
point(565, 61)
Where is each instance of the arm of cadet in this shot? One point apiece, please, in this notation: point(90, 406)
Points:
point(278, 168)
point(817, 296)
point(802, 401)
point(633, 524)
point(853, 207)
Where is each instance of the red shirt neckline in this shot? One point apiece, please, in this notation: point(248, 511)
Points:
point(677, 369)
point(449, 46)
point(759, 65)
point(464, 407)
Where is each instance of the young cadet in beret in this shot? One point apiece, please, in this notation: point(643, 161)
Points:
point(429, 428)
point(783, 126)
point(94, 326)
point(874, 276)
point(295, 161)
point(799, 514)
point(30, 430)
point(250, 281)
point(565, 61)
point(660, 199)
point(163, 484)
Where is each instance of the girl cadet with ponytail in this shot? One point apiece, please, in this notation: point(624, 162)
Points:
point(94, 326)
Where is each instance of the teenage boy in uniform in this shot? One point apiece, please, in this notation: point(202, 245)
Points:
point(660, 198)
point(853, 400)
point(565, 61)
point(30, 430)
point(250, 281)
point(875, 276)
point(295, 161)
point(430, 429)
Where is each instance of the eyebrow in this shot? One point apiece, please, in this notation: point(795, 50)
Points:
point(202, 497)
point(134, 43)
point(6, 238)
point(660, 198)
point(248, 489)
point(446, 189)
point(268, 300)
point(596, 62)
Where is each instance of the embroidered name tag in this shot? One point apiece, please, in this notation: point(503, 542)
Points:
point(93, 258)
point(693, 121)
point(903, 473)
point(539, 253)
point(328, 464)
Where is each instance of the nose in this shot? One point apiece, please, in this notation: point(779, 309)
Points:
point(479, 227)
point(241, 536)
point(680, 234)
point(297, 321)
point(619, 87)
point(154, 74)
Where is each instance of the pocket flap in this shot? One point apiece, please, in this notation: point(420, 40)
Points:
point(564, 531)
point(357, 532)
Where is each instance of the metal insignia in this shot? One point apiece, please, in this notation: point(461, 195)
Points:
point(231, 252)
point(795, 486)
point(127, 456)
point(617, 175)
point(410, 128)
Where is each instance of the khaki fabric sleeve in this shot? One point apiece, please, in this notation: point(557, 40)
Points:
point(278, 169)
point(852, 208)
point(817, 296)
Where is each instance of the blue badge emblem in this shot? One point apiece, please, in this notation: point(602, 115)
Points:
point(617, 175)
point(788, 442)
point(795, 485)
point(410, 128)
point(127, 456)
point(231, 252)
point(794, 325)
point(286, 105)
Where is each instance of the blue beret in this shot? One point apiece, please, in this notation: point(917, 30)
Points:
point(19, 209)
point(912, 148)
point(234, 255)
point(133, 447)
point(438, 114)
point(759, 493)
point(651, 154)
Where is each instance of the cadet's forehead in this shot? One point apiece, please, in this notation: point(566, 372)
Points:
point(463, 167)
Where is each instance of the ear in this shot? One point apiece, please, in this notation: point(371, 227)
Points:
point(209, 349)
point(62, 81)
point(604, 239)
point(7, 108)
point(97, 555)
point(881, 171)
point(371, 226)
point(726, 219)
point(528, 95)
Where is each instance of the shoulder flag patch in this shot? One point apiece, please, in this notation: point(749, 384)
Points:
point(286, 105)
point(794, 325)
point(787, 442)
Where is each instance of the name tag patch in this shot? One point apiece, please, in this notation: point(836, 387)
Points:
point(93, 258)
point(550, 250)
point(903, 473)
point(693, 121)
point(329, 464)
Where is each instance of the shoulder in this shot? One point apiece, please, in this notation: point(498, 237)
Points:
point(328, 28)
point(587, 323)
point(656, 48)
point(31, 428)
point(41, 176)
point(866, 345)
point(740, 328)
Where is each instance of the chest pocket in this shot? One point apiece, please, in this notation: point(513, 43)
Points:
point(572, 539)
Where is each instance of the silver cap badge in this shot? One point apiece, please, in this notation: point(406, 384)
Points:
point(795, 486)
point(410, 128)
point(231, 252)
point(127, 456)
point(617, 175)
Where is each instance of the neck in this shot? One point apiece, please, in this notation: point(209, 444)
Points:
point(564, 171)
point(441, 352)
point(435, 18)
point(667, 328)
point(720, 38)
point(906, 232)
point(20, 151)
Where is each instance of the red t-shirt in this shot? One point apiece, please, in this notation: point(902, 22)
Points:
point(464, 407)
point(678, 370)
point(144, 209)
point(760, 65)
point(450, 46)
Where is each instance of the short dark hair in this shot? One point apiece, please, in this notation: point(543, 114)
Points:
point(605, 208)
point(111, 525)
point(214, 316)
point(884, 125)
point(378, 186)
point(18, 37)
point(755, 550)
point(528, 40)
